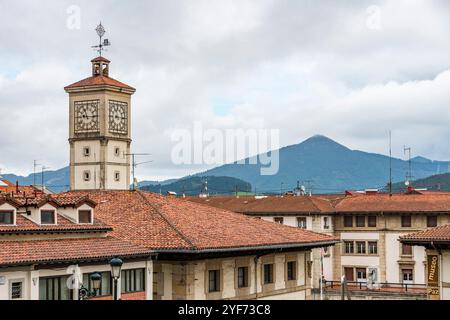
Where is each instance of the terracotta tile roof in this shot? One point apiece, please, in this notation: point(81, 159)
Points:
point(65, 250)
point(100, 59)
point(397, 203)
point(98, 81)
point(163, 223)
point(24, 225)
point(9, 187)
point(40, 199)
point(441, 233)
point(288, 204)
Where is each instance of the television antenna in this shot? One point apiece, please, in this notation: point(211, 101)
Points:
point(409, 177)
point(134, 164)
point(105, 43)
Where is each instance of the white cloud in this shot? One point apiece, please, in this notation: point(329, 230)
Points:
point(300, 66)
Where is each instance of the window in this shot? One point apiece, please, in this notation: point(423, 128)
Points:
point(372, 221)
point(6, 217)
point(373, 247)
point(432, 221)
point(214, 280)
point(360, 221)
point(16, 290)
point(87, 175)
point(349, 247)
point(268, 273)
point(301, 222)
point(242, 277)
point(278, 220)
point(117, 151)
point(406, 221)
point(326, 223)
point(361, 274)
point(105, 285)
point(349, 274)
point(117, 176)
point(47, 217)
point(133, 280)
point(85, 216)
point(361, 247)
point(54, 288)
point(407, 250)
point(407, 276)
point(291, 270)
point(348, 221)
point(86, 151)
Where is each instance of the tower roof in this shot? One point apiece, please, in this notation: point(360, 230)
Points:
point(95, 81)
point(100, 58)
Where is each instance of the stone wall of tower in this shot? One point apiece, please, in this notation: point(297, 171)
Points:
point(107, 161)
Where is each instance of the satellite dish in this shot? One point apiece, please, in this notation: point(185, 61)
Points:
point(407, 183)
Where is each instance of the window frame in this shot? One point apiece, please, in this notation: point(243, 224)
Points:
point(326, 223)
point(357, 243)
point(87, 175)
point(352, 244)
point(13, 217)
point(86, 152)
point(268, 273)
point(435, 220)
point(370, 246)
point(214, 281)
point(131, 274)
point(291, 270)
point(403, 221)
point(407, 254)
point(242, 279)
point(91, 216)
point(358, 220)
point(117, 176)
point(348, 219)
point(302, 223)
point(22, 288)
point(56, 281)
point(53, 211)
point(374, 221)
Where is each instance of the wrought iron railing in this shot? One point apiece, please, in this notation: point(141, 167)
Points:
point(362, 285)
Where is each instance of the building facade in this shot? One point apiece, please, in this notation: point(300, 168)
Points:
point(368, 226)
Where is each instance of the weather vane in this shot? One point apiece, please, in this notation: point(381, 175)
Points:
point(101, 32)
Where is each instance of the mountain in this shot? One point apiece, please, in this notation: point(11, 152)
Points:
point(194, 185)
point(323, 165)
point(57, 181)
point(330, 167)
point(155, 183)
point(436, 182)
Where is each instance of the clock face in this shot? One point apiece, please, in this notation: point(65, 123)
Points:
point(86, 116)
point(118, 117)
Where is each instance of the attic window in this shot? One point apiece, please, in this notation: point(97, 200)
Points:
point(48, 217)
point(84, 216)
point(6, 217)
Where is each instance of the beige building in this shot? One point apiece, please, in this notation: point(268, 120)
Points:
point(368, 226)
point(436, 242)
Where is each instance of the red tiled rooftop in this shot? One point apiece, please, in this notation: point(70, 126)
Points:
point(287, 204)
point(421, 203)
point(98, 81)
point(159, 222)
point(65, 250)
point(441, 233)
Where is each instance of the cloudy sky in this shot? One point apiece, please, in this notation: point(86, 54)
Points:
point(350, 71)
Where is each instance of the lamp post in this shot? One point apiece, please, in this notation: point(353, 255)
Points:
point(95, 283)
point(116, 268)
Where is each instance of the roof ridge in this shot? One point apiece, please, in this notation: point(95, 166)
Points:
point(180, 233)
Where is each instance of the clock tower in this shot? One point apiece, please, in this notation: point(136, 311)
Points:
point(100, 130)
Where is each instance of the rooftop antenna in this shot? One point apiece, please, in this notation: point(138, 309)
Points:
point(390, 163)
point(105, 43)
point(35, 165)
point(42, 176)
point(134, 164)
point(409, 174)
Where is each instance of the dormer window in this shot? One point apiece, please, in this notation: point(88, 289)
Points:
point(6, 217)
point(48, 217)
point(84, 216)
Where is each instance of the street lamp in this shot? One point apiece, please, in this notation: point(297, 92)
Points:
point(116, 268)
point(95, 283)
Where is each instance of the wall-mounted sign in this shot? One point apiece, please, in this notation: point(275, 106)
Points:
point(433, 291)
point(433, 270)
point(2, 280)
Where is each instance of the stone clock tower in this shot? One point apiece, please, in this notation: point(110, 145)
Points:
point(100, 131)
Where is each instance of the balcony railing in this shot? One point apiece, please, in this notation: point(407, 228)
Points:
point(379, 286)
